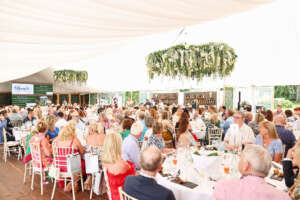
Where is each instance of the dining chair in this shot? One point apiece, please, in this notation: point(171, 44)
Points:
point(96, 150)
point(60, 162)
point(214, 134)
point(37, 166)
point(10, 146)
point(124, 196)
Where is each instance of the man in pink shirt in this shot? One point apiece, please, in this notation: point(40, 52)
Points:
point(254, 165)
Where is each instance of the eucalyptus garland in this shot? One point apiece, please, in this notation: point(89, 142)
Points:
point(70, 76)
point(192, 61)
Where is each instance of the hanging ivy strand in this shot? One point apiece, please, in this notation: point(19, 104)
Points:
point(70, 76)
point(192, 61)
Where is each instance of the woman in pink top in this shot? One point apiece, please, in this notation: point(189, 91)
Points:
point(46, 150)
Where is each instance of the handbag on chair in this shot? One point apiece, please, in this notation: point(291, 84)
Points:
point(74, 163)
point(91, 163)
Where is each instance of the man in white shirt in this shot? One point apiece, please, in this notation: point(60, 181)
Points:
point(61, 122)
point(239, 133)
point(198, 126)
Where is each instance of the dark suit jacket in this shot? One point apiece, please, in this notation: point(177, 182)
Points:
point(144, 188)
point(289, 175)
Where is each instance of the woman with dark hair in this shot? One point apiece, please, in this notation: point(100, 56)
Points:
point(185, 138)
point(126, 125)
point(269, 115)
point(289, 116)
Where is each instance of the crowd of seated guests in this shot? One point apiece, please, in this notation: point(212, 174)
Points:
point(147, 129)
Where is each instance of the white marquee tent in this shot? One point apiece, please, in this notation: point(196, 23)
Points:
point(266, 39)
point(37, 34)
point(112, 46)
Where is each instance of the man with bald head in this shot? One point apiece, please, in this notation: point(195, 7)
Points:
point(287, 137)
point(144, 186)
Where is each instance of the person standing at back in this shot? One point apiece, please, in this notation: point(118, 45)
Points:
point(144, 186)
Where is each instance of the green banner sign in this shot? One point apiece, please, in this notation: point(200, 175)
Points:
point(43, 89)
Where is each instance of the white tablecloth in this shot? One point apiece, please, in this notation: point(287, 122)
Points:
point(19, 134)
point(201, 192)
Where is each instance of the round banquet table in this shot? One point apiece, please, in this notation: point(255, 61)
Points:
point(184, 193)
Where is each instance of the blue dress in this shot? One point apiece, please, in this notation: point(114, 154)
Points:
point(52, 134)
point(275, 147)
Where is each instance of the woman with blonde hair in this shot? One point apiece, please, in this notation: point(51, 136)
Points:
point(96, 135)
point(117, 168)
point(38, 113)
point(67, 138)
point(94, 139)
point(268, 138)
point(52, 131)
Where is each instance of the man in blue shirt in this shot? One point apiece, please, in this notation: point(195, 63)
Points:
point(228, 121)
point(141, 119)
point(130, 147)
point(287, 137)
point(3, 124)
point(30, 117)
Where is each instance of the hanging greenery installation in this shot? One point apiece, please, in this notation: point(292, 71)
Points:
point(192, 61)
point(70, 76)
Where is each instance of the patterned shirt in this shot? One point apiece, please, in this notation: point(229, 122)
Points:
point(158, 142)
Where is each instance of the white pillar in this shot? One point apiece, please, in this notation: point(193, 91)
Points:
point(180, 98)
point(252, 100)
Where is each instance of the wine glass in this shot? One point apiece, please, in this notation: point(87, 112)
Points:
point(226, 163)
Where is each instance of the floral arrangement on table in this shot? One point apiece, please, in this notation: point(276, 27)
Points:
point(70, 76)
point(192, 61)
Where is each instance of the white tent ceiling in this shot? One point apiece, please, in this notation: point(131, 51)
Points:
point(37, 34)
point(266, 39)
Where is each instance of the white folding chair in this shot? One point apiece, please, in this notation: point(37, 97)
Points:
point(96, 151)
point(60, 162)
point(107, 183)
point(214, 134)
point(10, 146)
point(37, 167)
point(27, 166)
point(124, 196)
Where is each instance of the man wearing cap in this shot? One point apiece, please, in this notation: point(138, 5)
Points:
point(130, 147)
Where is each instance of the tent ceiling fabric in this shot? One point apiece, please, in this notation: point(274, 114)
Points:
point(37, 34)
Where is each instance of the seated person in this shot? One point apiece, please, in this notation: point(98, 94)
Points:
point(130, 147)
point(286, 136)
point(96, 135)
point(52, 131)
point(291, 165)
point(156, 138)
point(95, 138)
point(30, 117)
point(67, 138)
point(269, 140)
point(126, 126)
point(46, 150)
point(185, 137)
point(144, 185)
point(241, 135)
point(254, 165)
point(117, 168)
